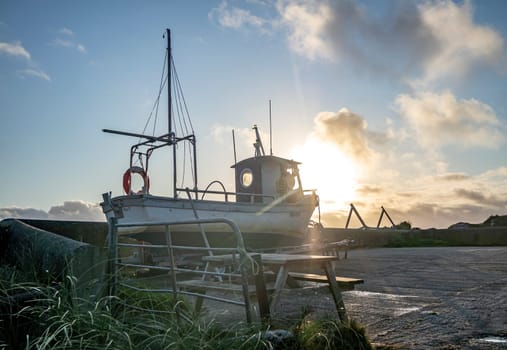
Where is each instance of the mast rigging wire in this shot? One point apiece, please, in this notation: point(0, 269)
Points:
point(162, 84)
point(180, 112)
point(183, 116)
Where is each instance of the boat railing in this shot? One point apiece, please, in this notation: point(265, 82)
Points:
point(227, 194)
point(247, 264)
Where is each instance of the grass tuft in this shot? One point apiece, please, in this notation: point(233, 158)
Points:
point(331, 334)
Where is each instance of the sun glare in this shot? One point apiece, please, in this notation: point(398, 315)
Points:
point(326, 168)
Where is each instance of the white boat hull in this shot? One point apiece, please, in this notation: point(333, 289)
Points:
point(288, 219)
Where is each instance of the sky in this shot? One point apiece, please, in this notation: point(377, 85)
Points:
point(400, 104)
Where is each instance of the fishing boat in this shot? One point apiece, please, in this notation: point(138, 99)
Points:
point(269, 204)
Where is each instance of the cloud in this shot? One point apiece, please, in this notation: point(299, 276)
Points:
point(69, 210)
point(307, 23)
point(14, 49)
point(26, 213)
point(417, 43)
point(480, 198)
point(348, 131)
point(438, 215)
point(34, 73)
point(68, 40)
point(366, 190)
point(62, 43)
point(345, 31)
point(449, 23)
point(436, 201)
point(244, 137)
point(69, 44)
point(76, 210)
point(66, 31)
point(452, 177)
point(499, 174)
point(424, 40)
point(440, 119)
point(81, 48)
point(235, 18)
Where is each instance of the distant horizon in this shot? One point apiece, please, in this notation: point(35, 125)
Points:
point(94, 214)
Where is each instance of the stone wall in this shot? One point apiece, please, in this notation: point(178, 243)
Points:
point(484, 236)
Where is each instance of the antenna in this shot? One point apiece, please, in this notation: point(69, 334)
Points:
point(234, 145)
point(270, 132)
point(259, 148)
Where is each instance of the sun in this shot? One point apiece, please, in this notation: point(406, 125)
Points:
point(328, 170)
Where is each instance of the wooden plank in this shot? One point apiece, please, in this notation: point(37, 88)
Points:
point(278, 259)
point(200, 285)
point(346, 283)
point(274, 259)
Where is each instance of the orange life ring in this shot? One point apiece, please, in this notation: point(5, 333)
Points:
point(127, 181)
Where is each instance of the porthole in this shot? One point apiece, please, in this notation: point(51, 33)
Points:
point(246, 177)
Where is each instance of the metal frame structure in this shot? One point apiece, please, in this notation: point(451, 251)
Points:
point(248, 265)
point(169, 139)
point(382, 212)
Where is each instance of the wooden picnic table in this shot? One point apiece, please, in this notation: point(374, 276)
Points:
point(287, 263)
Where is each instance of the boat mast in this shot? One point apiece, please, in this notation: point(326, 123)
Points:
point(169, 98)
point(270, 132)
point(169, 109)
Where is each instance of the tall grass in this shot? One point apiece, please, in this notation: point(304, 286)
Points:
point(53, 316)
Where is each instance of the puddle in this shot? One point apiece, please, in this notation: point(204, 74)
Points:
point(389, 304)
point(362, 293)
point(481, 249)
point(405, 310)
point(494, 340)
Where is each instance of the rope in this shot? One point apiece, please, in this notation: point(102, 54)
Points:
point(183, 99)
point(183, 116)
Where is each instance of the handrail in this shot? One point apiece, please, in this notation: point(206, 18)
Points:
point(209, 185)
point(230, 223)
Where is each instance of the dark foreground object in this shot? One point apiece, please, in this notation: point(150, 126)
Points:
point(48, 257)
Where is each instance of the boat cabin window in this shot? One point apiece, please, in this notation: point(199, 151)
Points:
point(286, 181)
point(246, 177)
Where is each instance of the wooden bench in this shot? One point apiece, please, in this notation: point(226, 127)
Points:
point(345, 283)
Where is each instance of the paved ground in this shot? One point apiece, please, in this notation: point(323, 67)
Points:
point(426, 298)
point(417, 298)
